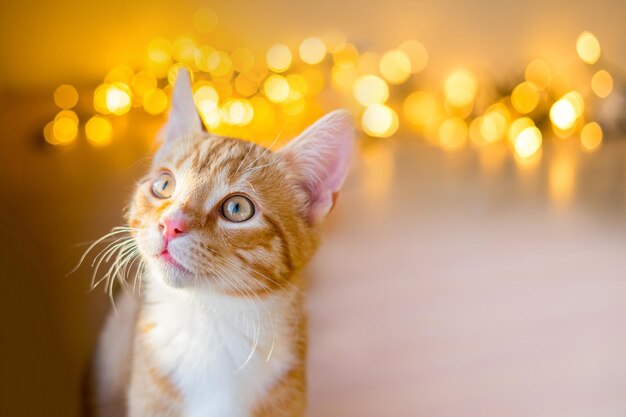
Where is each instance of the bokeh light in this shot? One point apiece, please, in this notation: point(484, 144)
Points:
point(155, 101)
point(460, 88)
point(370, 89)
point(453, 134)
point(395, 66)
point(538, 74)
point(591, 136)
point(417, 54)
point(312, 50)
point(588, 47)
point(99, 130)
point(276, 88)
point(379, 120)
point(65, 128)
point(528, 142)
point(524, 98)
point(118, 99)
point(420, 108)
point(279, 58)
point(602, 83)
point(65, 96)
point(565, 112)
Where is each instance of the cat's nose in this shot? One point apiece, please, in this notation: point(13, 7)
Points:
point(172, 228)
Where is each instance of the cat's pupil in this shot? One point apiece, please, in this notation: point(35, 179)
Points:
point(165, 185)
point(236, 208)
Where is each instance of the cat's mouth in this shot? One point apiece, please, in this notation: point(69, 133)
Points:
point(166, 257)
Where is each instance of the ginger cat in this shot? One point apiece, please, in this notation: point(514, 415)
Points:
point(223, 228)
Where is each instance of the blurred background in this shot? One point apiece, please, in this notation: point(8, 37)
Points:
point(475, 262)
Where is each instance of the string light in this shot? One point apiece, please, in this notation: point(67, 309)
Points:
point(256, 96)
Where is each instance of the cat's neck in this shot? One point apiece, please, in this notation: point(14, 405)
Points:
point(224, 352)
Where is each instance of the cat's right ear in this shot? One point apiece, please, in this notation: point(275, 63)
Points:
point(183, 120)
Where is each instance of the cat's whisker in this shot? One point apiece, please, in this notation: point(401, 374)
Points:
point(113, 232)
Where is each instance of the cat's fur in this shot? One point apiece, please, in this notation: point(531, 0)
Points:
point(226, 336)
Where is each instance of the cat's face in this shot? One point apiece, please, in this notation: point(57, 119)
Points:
point(230, 215)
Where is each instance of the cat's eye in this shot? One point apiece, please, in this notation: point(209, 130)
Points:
point(164, 185)
point(237, 208)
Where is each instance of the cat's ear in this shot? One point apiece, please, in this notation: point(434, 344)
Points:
point(183, 120)
point(319, 159)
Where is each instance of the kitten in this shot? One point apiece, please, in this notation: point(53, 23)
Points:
point(224, 228)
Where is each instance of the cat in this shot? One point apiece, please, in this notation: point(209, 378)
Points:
point(223, 228)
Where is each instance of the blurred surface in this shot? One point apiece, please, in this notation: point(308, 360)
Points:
point(447, 285)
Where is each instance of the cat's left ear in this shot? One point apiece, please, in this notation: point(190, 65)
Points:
point(319, 159)
point(183, 120)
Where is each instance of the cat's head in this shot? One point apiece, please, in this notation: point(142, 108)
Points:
point(231, 215)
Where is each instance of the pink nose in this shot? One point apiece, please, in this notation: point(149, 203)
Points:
point(171, 228)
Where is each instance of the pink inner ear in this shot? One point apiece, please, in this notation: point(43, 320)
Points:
point(320, 156)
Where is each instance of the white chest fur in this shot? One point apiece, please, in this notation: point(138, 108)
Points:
point(223, 353)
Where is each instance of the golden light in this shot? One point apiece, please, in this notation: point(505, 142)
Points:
point(395, 66)
point(201, 57)
point(461, 88)
point(48, 134)
point(602, 83)
point(64, 130)
point(368, 62)
point(528, 142)
point(474, 133)
point(420, 108)
point(186, 51)
point(453, 134)
point(312, 50)
point(210, 114)
point(347, 55)
point(118, 99)
point(493, 125)
point(99, 131)
point(417, 54)
point(160, 52)
point(205, 95)
point(205, 20)
point(370, 89)
point(517, 126)
point(379, 120)
point(65, 96)
point(242, 60)
point(276, 88)
point(219, 64)
point(524, 98)
point(591, 136)
point(155, 101)
point(246, 85)
point(538, 74)
point(237, 112)
point(344, 76)
point(588, 47)
point(143, 82)
point(565, 111)
point(298, 84)
point(279, 58)
point(120, 74)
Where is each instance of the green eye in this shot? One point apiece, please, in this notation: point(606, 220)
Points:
point(164, 185)
point(237, 208)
